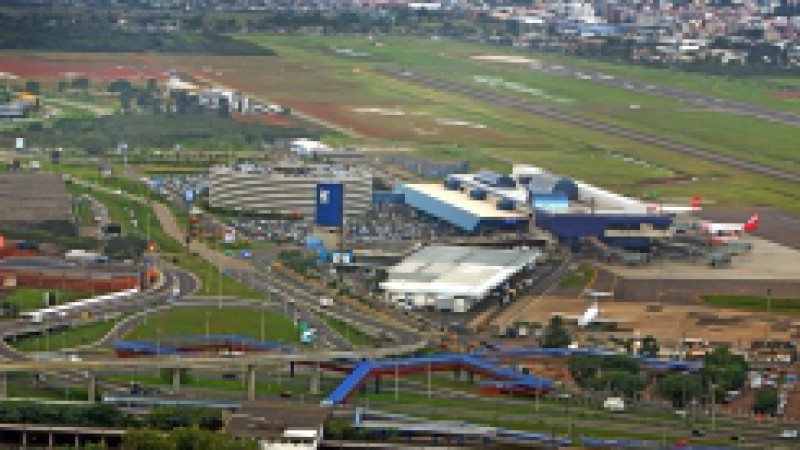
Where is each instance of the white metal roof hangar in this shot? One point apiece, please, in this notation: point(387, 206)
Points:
point(454, 278)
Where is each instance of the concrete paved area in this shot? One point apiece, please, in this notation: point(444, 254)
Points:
point(767, 261)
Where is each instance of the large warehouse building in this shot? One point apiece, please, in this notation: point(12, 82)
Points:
point(287, 189)
point(33, 198)
point(456, 278)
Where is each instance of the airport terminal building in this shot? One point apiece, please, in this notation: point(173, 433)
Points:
point(572, 212)
point(286, 189)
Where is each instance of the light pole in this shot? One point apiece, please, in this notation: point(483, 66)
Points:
point(158, 341)
point(262, 324)
point(219, 284)
point(208, 326)
point(46, 336)
point(769, 314)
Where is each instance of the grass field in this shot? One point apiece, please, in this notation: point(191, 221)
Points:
point(124, 210)
point(548, 415)
point(309, 76)
point(511, 136)
point(27, 299)
point(70, 338)
point(354, 335)
point(267, 383)
point(755, 304)
point(578, 278)
point(226, 320)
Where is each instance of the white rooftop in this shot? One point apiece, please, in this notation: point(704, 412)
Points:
point(453, 271)
point(460, 200)
point(300, 433)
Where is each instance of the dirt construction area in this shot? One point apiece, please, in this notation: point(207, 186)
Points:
point(667, 322)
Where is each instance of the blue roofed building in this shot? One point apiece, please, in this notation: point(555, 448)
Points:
point(471, 213)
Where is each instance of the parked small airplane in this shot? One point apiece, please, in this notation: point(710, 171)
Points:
point(721, 233)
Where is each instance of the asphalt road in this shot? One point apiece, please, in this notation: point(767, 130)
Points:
point(21, 327)
point(307, 302)
point(296, 308)
point(693, 98)
point(501, 100)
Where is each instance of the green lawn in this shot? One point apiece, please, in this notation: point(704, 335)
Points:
point(578, 278)
point(123, 210)
point(757, 304)
point(354, 335)
point(72, 337)
point(512, 136)
point(227, 320)
point(28, 299)
point(267, 384)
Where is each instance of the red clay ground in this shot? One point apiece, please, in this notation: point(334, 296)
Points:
point(30, 66)
point(788, 94)
point(265, 119)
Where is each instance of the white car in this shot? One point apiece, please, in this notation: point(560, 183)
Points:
point(614, 404)
point(788, 434)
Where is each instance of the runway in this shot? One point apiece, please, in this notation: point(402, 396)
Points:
point(553, 113)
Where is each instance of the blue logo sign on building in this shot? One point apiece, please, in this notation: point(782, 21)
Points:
point(329, 211)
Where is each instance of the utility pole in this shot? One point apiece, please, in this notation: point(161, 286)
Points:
point(713, 408)
point(262, 325)
point(769, 315)
point(396, 382)
point(429, 381)
point(208, 326)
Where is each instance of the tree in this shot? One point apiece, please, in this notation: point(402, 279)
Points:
point(80, 83)
point(679, 389)
point(556, 335)
point(584, 368)
point(146, 440)
point(125, 247)
point(620, 381)
point(766, 401)
point(33, 87)
point(120, 86)
point(649, 347)
point(622, 363)
point(224, 107)
point(725, 370)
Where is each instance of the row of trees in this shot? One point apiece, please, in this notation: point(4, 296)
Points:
point(205, 128)
point(722, 372)
point(102, 415)
point(72, 37)
point(618, 373)
point(184, 439)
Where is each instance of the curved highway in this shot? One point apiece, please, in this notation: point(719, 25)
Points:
point(553, 113)
point(289, 291)
point(20, 327)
